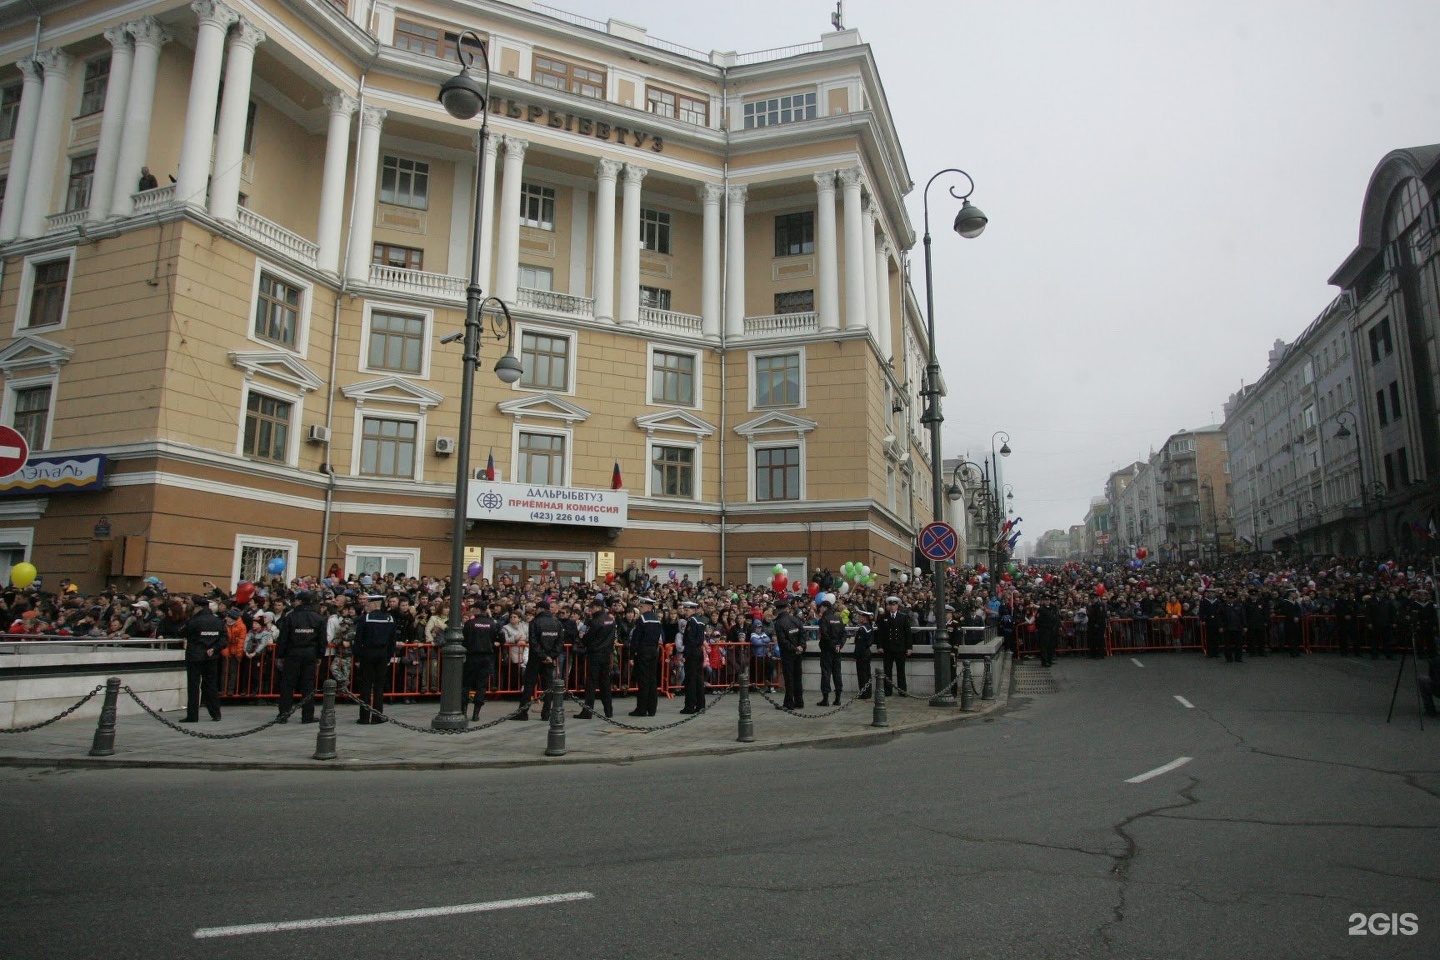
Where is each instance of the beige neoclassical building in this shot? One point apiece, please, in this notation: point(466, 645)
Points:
point(244, 358)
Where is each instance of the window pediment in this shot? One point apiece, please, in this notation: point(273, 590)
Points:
point(391, 390)
point(775, 423)
point(277, 365)
point(27, 352)
point(545, 406)
point(675, 421)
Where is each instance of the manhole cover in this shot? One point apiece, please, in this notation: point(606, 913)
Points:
point(1034, 680)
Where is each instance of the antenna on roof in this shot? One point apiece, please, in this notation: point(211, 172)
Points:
point(837, 19)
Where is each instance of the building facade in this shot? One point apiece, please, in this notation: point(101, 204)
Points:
point(235, 239)
point(1194, 493)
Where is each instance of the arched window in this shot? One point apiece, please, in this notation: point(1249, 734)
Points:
point(1405, 207)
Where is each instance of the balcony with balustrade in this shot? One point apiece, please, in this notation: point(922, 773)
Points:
point(782, 324)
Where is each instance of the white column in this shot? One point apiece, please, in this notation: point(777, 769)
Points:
point(487, 221)
point(198, 135)
point(882, 277)
point(872, 309)
point(362, 224)
point(234, 108)
point(828, 252)
point(710, 195)
point(149, 37)
point(462, 220)
point(735, 262)
point(45, 155)
point(630, 246)
point(605, 173)
point(854, 250)
point(112, 123)
point(21, 149)
point(332, 181)
point(507, 270)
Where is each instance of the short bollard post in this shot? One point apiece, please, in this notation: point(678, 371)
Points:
point(966, 699)
point(747, 720)
point(555, 745)
point(880, 717)
point(104, 742)
point(325, 736)
point(987, 690)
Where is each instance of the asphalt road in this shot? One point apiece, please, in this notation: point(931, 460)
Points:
point(1013, 837)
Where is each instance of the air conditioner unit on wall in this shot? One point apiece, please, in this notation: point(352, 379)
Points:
point(318, 433)
point(444, 446)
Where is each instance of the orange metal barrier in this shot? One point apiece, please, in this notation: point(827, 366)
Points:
point(1155, 633)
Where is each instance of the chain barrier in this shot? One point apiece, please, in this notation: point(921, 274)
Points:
point(59, 716)
point(651, 729)
point(814, 716)
point(386, 718)
point(954, 685)
point(214, 736)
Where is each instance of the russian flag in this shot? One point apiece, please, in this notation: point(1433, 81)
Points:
point(615, 482)
point(490, 467)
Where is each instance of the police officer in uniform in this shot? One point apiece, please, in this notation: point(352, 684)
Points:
point(547, 645)
point(1047, 626)
point(790, 635)
point(205, 636)
point(299, 647)
point(479, 639)
point(645, 642)
point(832, 638)
point(376, 634)
point(864, 639)
point(892, 632)
point(692, 644)
point(1210, 617)
point(599, 653)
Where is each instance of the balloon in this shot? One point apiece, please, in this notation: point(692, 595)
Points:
point(779, 568)
point(244, 592)
point(979, 568)
point(865, 569)
point(904, 578)
point(969, 587)
point(1005, 577)
point(610, 577)
point(1099, 589)
point(474, 570)
point(795, 585)
point(654, 564)
point(814, 589)
point(672, 575)
point(917, 571)
point(276, 566)
point(843, 589)
point(544, 564)
point(1142, 553)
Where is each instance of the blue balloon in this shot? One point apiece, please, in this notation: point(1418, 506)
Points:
point(276, 566)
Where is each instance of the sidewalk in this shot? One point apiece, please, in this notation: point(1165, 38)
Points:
point(141, 741)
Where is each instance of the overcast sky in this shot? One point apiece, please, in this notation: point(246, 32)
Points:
point(1169, 186)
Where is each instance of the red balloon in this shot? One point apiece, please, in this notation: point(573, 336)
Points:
point(814, 589)
point(1099, 589)
point(979, 568)
point(609, 578)
point(544, 564)
point(654, 564)
point(244, 592)
point(1005, 577)
point(1141, 554)
point(795, 585)
point(780, 581)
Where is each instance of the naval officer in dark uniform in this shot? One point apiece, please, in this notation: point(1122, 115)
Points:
point(645, 642)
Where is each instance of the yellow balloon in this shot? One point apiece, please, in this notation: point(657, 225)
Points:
point(23, 574)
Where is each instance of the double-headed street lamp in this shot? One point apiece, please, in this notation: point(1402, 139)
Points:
point(969, 223)
point(464, 96)
point(1346, 419)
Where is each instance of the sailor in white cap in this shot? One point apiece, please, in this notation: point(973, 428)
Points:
point(864, 640)
point(645, 642)
point(892, 633)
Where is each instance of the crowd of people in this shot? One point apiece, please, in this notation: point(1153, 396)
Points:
point(363, 622)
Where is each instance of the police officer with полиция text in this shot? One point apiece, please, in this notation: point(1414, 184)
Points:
point(298, 648)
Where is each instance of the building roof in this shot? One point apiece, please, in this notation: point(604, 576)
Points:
point(1396, 167)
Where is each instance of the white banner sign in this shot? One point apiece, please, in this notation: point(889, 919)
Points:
point(532, 503)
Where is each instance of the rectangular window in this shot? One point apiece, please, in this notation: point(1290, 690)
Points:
point(777, 380)
point(777, 473)
point(405, 182)
point(542, 459)
point(1394, 400)
point(537, 206)
point(672, 378)
point(656, 298)
point(795, 301)
point(397, 342)
point(47, 297)
point(795, 234)
point(1380, 407)
point(255, 560)
point(1402, 465)
point(1308, 416)
point(417, 38)
point(677, 106)
point(655, 231)
point(277, 311)
point(402, 258)
point(9, 110)
point(82, 177)
point(672, 472)
point(536, 278)
point(1381, 346)
point(1389, 472)
point(387, 448)
point(32, 415)
point(267, 427)
point(787, 109)
point(97, 81)
point(587, 81)
point(545, 361)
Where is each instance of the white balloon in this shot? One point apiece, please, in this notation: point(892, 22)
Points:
point(904, 578)
point(844, 589)
point(865, 570)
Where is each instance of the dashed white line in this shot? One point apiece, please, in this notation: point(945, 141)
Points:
point(1185, 703)
point(1137, 663)
point(205, 933)
point(1150, 775)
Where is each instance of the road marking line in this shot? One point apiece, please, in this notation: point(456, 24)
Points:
point(205, 933)
point(1137, 663)
point(1159, 770)
point(1185, 703)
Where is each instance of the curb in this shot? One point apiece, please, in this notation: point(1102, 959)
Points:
point(952, 716)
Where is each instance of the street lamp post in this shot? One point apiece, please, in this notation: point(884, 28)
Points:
point(1345, 418)
point(464, 96)
point(969, 223)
